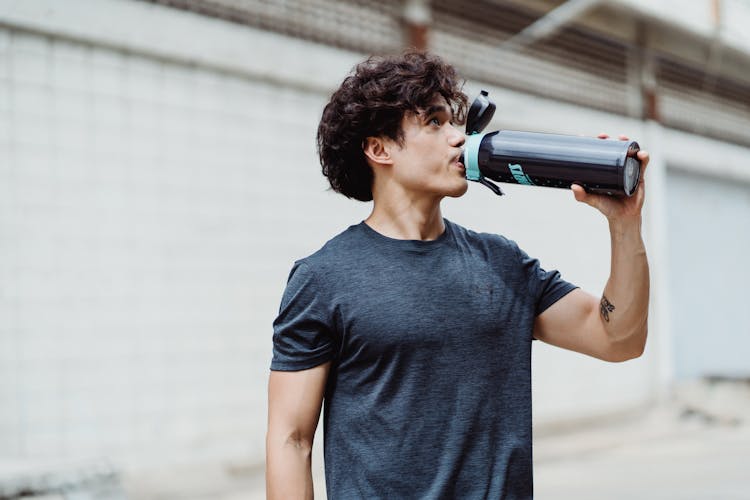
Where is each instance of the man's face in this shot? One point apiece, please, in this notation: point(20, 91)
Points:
point(427, 161)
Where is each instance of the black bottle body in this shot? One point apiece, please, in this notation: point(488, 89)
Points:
point(599, 165)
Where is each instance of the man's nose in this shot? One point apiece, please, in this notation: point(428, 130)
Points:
point(457, 138)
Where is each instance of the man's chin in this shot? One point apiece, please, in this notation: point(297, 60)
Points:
point(459, 191)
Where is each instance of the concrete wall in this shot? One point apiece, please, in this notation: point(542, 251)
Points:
point(701, 16)
point(710, 222)
point(157, 179)
point(151, 209)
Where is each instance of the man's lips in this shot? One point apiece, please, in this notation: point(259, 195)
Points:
point(458, 163)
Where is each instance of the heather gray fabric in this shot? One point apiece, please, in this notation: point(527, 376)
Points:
point(429, 393)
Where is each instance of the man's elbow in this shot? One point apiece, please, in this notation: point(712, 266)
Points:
point(288, 459)
point(622, 356)
point(631, 348)
point(298, 442)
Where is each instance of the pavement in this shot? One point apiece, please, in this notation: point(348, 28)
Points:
point(695, 446)
point(669, 452)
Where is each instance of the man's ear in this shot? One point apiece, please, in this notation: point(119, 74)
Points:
point(378, 150)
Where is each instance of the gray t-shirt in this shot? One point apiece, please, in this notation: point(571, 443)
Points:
point(429, 392)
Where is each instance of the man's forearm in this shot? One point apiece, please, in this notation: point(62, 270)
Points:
point(288, 470)
point(624, 304)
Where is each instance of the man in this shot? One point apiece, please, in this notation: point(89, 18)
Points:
point(416, 331)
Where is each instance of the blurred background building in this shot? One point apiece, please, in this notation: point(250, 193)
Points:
point(158, 177)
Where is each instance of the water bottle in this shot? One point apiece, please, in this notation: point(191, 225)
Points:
point(604, 166)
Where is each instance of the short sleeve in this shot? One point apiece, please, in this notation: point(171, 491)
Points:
point(546, 287)
point(302, 335)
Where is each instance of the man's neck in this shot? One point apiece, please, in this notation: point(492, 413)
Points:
point(407, 219)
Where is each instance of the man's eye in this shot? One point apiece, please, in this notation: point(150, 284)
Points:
point(434, 121)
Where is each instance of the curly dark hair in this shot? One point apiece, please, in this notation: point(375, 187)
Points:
point(371, 102)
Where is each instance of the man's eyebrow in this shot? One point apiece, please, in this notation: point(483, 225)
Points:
point(437, 108)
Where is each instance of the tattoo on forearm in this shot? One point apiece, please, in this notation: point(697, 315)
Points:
point(607, 307)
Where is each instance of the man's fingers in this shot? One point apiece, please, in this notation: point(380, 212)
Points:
point(604, 135)
point(581, 194)
point(644, 157)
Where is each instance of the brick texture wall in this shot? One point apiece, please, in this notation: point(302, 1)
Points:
point(138, 277)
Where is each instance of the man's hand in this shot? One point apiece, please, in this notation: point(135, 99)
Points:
point(622, 207)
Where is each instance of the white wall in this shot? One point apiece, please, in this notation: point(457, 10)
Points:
point(710, 223)
point(157, 179)
point(150, 212)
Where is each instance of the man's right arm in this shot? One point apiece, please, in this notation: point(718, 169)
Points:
point(294, 403)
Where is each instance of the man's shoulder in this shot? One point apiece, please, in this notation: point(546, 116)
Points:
point(493, 241)
point(342, 247)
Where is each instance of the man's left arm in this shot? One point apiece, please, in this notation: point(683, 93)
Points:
point(612, 327)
